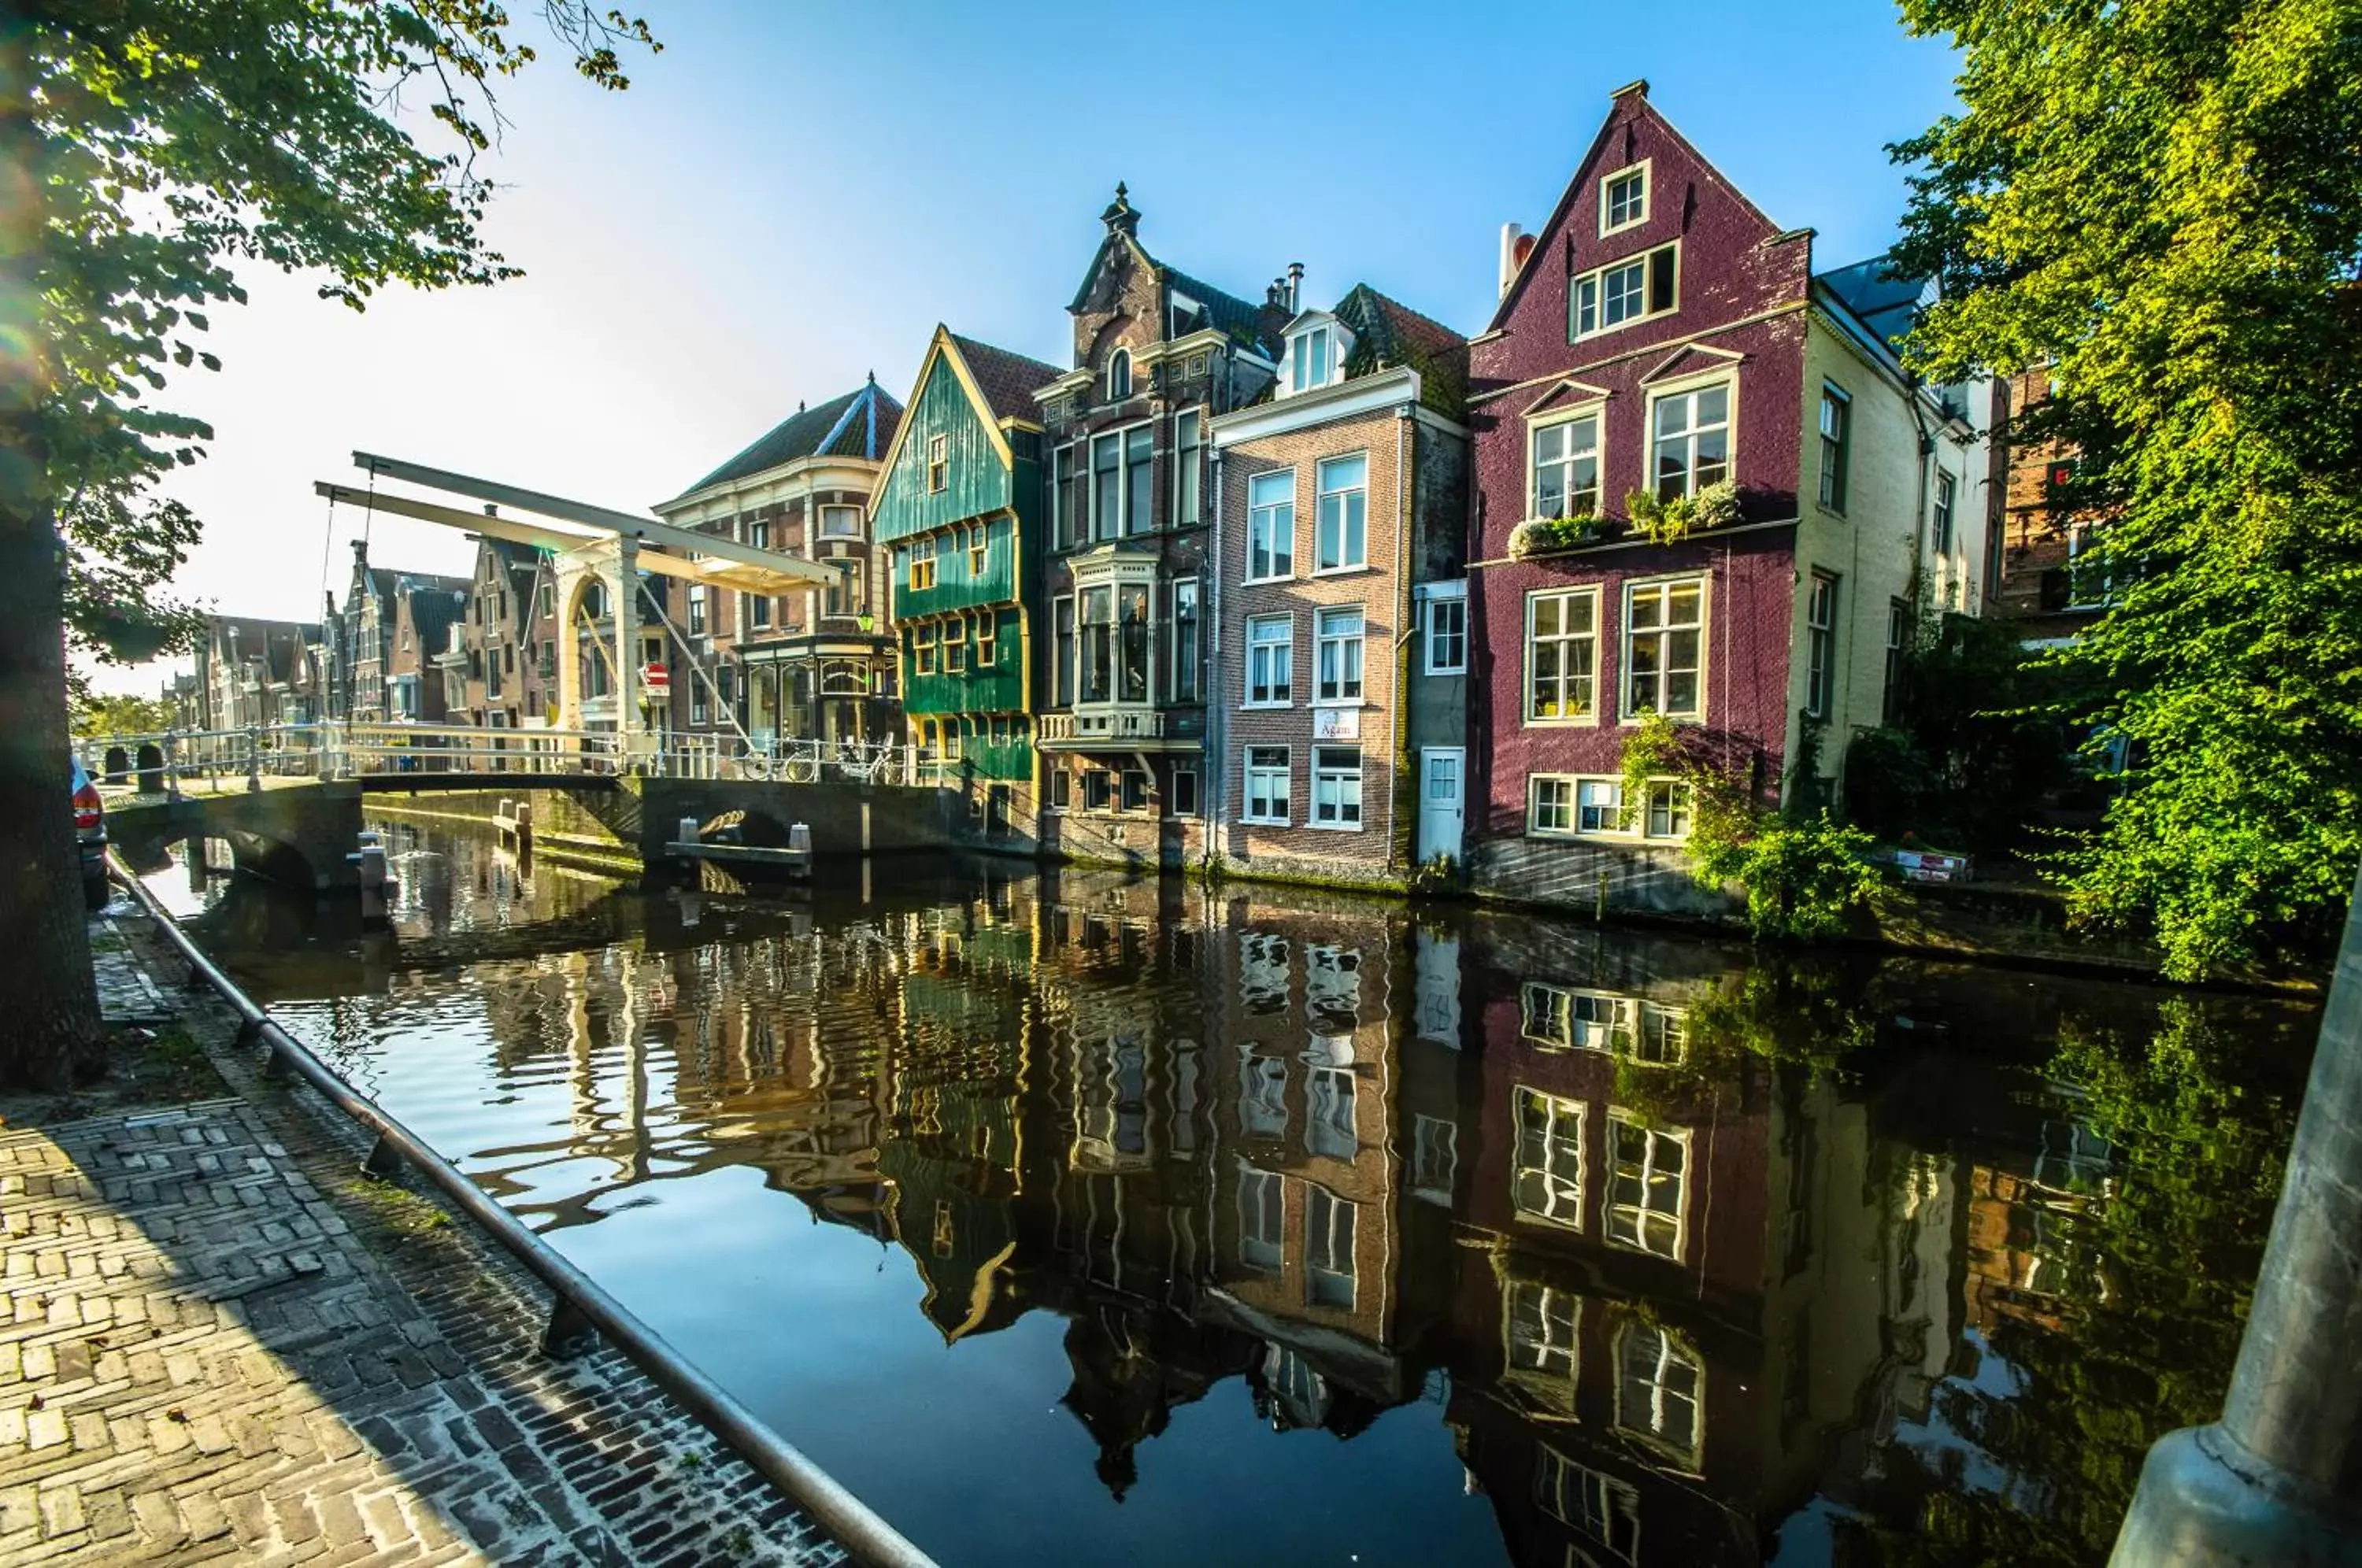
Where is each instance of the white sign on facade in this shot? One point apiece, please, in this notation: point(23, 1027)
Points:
point(1336, 723)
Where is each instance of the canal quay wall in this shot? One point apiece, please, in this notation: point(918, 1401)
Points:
point(631, 825)
point(219, 1340)
point(628, 828)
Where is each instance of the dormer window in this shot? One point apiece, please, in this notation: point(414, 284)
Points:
point(1311, 360)
point(1624, 199)
point(1118, 376)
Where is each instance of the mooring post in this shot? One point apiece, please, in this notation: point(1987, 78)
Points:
point(2278, 1478)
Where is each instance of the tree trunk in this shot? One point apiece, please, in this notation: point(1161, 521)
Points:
point(49, 1001)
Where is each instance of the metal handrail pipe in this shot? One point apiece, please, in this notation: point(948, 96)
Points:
point(855, 1526)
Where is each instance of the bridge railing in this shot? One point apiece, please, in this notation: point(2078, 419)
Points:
point(174, 759)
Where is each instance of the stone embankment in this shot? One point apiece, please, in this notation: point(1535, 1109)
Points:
point(220, 1342)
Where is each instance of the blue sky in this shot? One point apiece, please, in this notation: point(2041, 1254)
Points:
point(791, 197)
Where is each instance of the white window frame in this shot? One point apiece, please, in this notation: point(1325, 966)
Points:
point(939, 468)
point(1942, 531)
point(1349, 648)
point(1262, 1200)
point(1592, 413)
point(1561, 1198)
point(1274, 651)
point(836, 511)
point(1626, 707)
point(1258, 761)
point(1275, 522)
point(1303, 376)
point(1608, 183)
point(1601, 796)
point(1329, 1239)
point(1565, 597)
point(1820, 644)
point(1554, 1355)
point(1119, 360)
point(1651, 1426)
point(1329, 784)
point(1658, 397)
point(1597, 280)
point(1836, 444)
point(1447, 645)
point(1628, 1222)
point(1345, 495)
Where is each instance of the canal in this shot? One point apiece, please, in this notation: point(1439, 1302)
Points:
point(1072, 1218)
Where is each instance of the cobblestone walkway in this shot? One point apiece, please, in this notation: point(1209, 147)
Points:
point(218, 1341)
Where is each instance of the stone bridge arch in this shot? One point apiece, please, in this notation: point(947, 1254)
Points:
point(299, 836)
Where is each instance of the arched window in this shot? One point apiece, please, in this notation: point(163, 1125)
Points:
point(1119, 379)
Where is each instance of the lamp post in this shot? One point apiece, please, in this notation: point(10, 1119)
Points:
point(2278, 1478)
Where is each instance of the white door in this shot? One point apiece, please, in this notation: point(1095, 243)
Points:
point(1442, 794)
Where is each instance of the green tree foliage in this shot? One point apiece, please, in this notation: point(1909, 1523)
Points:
point(184, 139)
point(1975, 747)
point(98, 714)
point(2163, 202)
point(1804, 874)
point(149, 149)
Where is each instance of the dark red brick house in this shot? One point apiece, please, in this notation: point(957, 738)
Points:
point(1660, 337)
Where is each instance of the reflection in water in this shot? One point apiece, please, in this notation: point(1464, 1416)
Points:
point(1247, 1227)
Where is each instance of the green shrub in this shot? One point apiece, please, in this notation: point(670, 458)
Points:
point(1804, 876)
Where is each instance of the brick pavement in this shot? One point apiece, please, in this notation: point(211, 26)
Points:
point(219, 1342)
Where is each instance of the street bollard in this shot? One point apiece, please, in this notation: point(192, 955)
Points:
point(2278, 1478)
point(253, 758)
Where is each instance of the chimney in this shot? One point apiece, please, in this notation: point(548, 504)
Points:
point(1294, 286)
point(1510, 256)
point(361, 552)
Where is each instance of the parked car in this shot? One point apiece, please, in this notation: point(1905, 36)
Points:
point(90, 827)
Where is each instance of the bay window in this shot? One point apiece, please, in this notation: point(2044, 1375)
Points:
point(1099, 645)
point(1062, 678)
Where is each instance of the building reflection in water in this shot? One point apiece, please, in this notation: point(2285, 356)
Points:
point(1672, 1295)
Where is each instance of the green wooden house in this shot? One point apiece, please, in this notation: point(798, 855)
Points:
point(960, 510)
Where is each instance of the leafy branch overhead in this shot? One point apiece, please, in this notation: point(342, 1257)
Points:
point(2161, 206)
point(183, 140)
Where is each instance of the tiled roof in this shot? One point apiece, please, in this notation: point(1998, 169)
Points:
point(860, 424)
point(432, 612)
point(1387, 332)
point(1007, 381)
point(1225, 312)
point(387, 581)
point(279, 644)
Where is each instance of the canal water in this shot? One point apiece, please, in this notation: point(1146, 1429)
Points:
point(1070, 1218)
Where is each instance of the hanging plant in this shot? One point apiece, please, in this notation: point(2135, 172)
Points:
point(1666, 521)
point(1552, 536)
